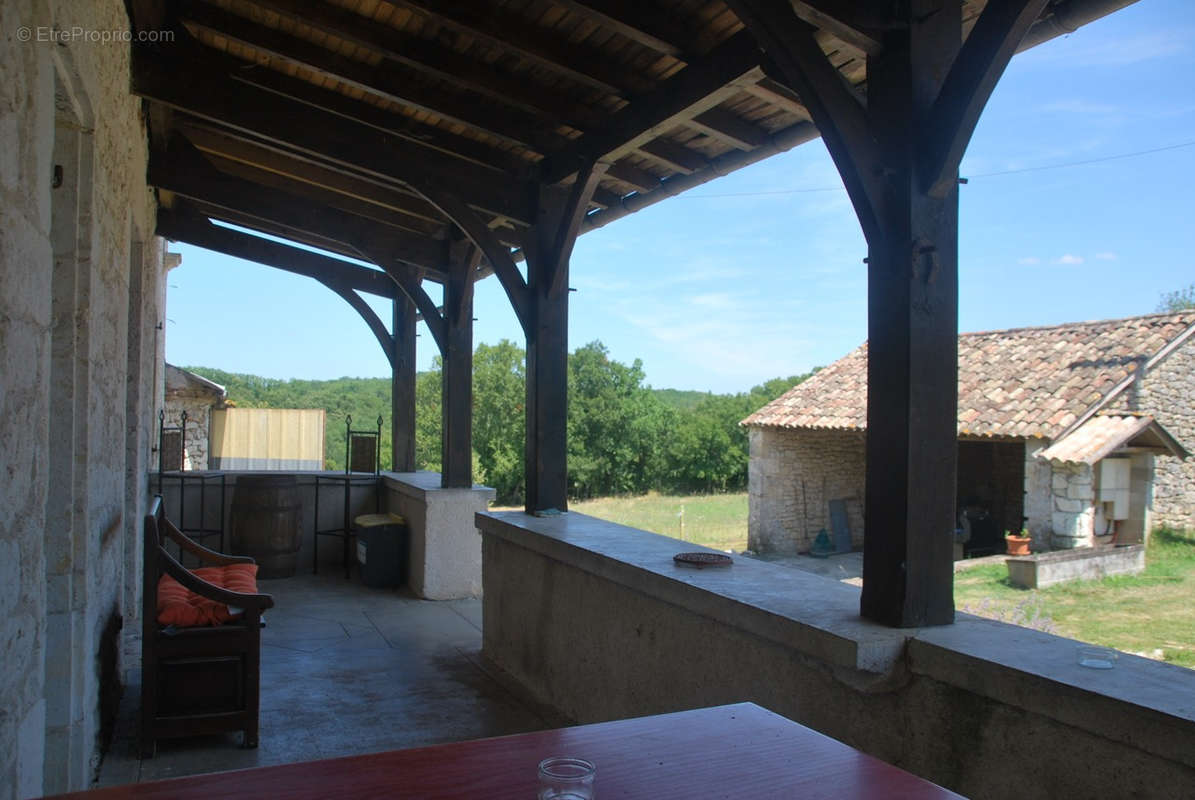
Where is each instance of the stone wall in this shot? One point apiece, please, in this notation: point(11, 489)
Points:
point(1168, 393)
point(1072, 520)
point(81, 272)
point(198, 405)
point(793, 475)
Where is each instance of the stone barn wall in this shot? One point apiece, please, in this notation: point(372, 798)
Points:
point(83, 295)
point(1168, 393)
point(793, 475)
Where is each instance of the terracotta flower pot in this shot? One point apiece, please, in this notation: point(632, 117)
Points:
point(1018, 545)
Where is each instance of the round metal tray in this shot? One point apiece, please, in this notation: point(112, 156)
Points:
point(703, 559)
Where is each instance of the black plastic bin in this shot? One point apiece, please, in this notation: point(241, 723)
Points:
point(382, 541)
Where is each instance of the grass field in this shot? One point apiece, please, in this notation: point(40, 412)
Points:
point(717, 520)
point(1151, 614)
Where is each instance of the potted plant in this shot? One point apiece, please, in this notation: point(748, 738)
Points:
point(1018, 543)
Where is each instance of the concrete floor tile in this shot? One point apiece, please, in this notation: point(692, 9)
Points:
point(345, 670)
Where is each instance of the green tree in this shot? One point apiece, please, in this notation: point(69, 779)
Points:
point(499, 420)
point(1178, 300)
point(615, 425)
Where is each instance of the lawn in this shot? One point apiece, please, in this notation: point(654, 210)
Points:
point(1150, 614)
point(718, 520)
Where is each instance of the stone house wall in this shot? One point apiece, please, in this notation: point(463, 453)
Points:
point(793, 475)
point(82, 297)
point(1168, 393)
point(198, 405)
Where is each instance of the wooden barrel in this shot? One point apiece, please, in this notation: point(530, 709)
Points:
point(266, 523)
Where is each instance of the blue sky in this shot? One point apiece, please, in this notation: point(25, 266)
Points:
point(760, 274)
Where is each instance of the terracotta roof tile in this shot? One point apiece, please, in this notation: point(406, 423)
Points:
point(1019, 382)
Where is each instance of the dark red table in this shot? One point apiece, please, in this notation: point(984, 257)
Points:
point(735, 751)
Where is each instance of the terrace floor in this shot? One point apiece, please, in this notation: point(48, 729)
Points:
point(346, 669)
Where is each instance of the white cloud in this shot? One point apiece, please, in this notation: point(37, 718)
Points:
point(1069, 258)
point(1105, 256)
point(1028, 260)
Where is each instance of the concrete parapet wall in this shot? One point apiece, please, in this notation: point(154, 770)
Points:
point(596, 620)
point(445, 548)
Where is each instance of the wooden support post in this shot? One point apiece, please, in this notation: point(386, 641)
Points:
point(898, 156)
point(912, 365)
point(548, 250)
point(402, 386)
point(456, 468)
point(546, 469)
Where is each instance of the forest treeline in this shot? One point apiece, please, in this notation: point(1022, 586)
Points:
point(623, 436)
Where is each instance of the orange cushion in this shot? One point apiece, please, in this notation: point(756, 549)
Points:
point(179, 606)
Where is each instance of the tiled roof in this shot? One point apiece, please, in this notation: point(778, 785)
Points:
point(1106, 432)
point(1022, 382)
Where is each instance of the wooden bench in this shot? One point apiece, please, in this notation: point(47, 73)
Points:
point(204, 679)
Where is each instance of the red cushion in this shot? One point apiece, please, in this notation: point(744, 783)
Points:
point(179, 606)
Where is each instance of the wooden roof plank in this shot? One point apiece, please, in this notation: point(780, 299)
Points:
point(508, 33)
point(442, 63)
point(507, 124)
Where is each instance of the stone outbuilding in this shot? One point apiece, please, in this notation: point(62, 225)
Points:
point(195, 396)
point(1077, 432)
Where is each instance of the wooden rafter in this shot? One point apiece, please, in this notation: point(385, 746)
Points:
point(639, 22)
point(184, 171)
point(333, 140)
point(699, 87)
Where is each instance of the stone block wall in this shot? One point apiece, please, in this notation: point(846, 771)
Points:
point(1168, 393)
point(793, 476)
point(198, 406)
point(82, 281)
point(1072, 520)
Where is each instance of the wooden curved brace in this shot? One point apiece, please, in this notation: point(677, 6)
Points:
point(495, 252)
point(371, 318)
point(839, 115)
point(432, 315)
point(969, 84)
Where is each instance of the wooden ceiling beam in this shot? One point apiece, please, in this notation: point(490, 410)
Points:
point(731, 129)
point(641, 179)
point(700, 86)
point(184, 224)
point(500, 29)
point(393, 83)
point(217, 213)
point(390, 122)
point(858, 24)
point(184, 171)
point(441, 63)
point(639, 22)
point(777, 94)
point(330, 139)
point(674, 155)
point(215, 142)
point(325, 198)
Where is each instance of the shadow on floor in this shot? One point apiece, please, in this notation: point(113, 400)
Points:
point(345, 670)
